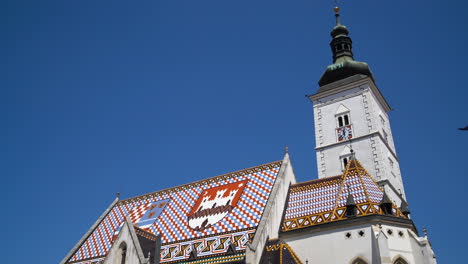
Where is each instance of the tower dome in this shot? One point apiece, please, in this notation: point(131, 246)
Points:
point(344, 64)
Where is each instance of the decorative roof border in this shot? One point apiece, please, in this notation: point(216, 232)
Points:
point(206, 247)
point(203, 182)
point(218, 259)
point(363, 209)
point(209, 236)
point(338, 213)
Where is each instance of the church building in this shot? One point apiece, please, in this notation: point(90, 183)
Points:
point(355, 212)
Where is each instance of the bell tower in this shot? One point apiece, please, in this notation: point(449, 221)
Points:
point(351, 118)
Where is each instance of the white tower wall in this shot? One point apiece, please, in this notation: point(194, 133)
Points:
point(372, 140)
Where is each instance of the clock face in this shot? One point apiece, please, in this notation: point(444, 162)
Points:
point(344, 133)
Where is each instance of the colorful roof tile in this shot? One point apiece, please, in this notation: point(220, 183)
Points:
point(324, 200)
point(207, 215)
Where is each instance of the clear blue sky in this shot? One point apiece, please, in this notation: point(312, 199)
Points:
point(134, 96)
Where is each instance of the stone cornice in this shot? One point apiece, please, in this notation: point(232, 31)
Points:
point(350, 83)
point(361, 220)
point(375, 133)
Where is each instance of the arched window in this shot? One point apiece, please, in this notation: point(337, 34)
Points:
point(343, 120)
point(340, 121)
point(122, 253)
point(346, 120)
point(400, 260)
point(359, 261)
point(342, 116)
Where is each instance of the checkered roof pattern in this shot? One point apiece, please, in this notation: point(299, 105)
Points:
point(172, 223)
point(324, 195)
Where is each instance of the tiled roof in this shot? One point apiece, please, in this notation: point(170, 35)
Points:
point(207, 215)
point(324, 200)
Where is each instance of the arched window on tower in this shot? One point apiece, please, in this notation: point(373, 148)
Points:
point(340, 121)
point(344, 161)
point(343, 120)
point(344, 130)
point(345, 157)
point(346, 119)
point(400, 260)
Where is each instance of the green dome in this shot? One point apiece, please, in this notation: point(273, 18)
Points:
point(339, 30)
point(344, 69)
point(344, 65)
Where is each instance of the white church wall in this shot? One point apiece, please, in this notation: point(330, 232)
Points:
point(398, 245)
point(422, 250)
point(272, 215)
point(114, 255)
point(399, 242)
point(333, 246)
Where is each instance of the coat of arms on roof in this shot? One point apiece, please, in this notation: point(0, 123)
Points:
point(144, 215)
point(214, 204)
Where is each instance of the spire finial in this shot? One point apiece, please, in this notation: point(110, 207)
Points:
point(286, 149)
point(336, 9)
point(117, 195)
point(424, 231)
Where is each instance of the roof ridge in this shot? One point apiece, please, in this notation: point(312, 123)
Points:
point(170, 189)
point(359, 166)
point(299, 184)
point(144, 233)
point(381, 189)
point(373, 180)
point(343, 180)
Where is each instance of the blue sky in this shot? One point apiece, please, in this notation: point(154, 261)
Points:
point(99, 97)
